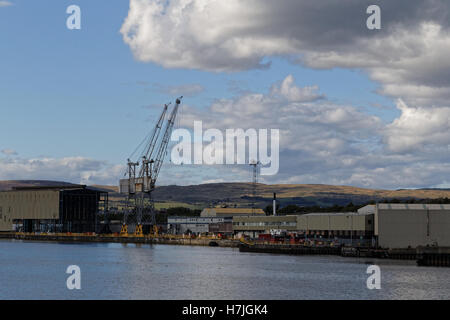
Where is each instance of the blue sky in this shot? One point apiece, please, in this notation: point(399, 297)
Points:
point(83, 93)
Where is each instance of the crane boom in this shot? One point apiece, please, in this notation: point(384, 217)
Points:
point(158, 161)
point(155, 134)
point(148, 153)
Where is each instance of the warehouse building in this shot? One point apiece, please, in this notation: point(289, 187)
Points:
point(348, 225)
point(68, 208)
point(399, 225)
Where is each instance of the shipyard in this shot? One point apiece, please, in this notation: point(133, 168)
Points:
point(213, 152)
point(384, 230)
point(79, 213)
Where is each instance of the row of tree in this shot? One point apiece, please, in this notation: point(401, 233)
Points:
point(350, 207)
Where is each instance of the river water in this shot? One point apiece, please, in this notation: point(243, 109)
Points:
point(37, 270)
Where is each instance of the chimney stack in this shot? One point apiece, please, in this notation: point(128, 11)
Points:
point(274, 204)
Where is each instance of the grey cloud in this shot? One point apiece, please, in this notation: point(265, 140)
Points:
point(217, 28)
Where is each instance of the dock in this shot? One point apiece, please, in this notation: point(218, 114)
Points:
point(424, 256)
point(111, 238)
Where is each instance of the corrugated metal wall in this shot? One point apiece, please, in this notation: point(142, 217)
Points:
point(33, 204)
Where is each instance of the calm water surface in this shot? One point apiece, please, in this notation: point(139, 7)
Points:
point(36, 270)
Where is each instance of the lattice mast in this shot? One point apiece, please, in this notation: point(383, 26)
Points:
point(254, 164)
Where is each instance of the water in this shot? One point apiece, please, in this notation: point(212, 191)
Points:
point(36, 270)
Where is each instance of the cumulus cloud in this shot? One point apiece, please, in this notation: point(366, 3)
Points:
point(324, 142)
point(303, 116)
point(292, 93)
point(320, 142)
point(409, 65)
point(419, 128)
point(408, 56)
point(70, 169)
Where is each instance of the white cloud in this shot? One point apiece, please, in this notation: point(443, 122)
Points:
point(419, 128)
point(9, 152)
point(70, 169)
point(302, 115)
point(290, 92)
point(5, 4)
point(323, 142)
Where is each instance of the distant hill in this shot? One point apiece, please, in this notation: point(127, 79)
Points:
point(300, 194)
point(240, 194)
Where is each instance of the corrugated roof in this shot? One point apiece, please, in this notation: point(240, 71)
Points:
point(237, 210)
point(62, 187)
point(412, 206)
point(337, 214)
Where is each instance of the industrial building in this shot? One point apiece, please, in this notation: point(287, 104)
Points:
point(254, 225)
point(345, 225)
point(197, 225)
point(399, 225)
point(68, 208)
point(389, 226)
point(325, 225)
point(211, 220)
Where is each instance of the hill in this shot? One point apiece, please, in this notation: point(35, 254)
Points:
point(240, 194)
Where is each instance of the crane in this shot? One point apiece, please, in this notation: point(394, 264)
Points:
point(151, 159)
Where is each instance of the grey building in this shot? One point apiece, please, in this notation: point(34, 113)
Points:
point(67, 208)
point(411, 225)
point(351, 225)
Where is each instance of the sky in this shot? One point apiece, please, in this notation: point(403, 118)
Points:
point(354, 106)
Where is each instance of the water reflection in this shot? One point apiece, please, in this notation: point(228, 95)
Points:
point(32, 270)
